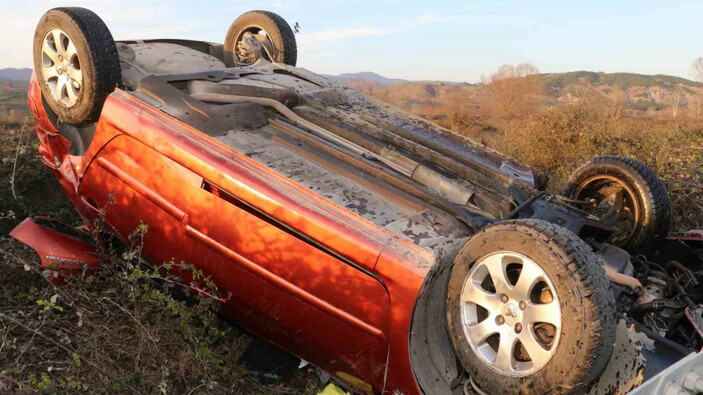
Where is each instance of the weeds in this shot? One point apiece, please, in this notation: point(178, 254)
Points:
point(122, 328)
point(556, 140)
point(26, 186)
point(119, 329)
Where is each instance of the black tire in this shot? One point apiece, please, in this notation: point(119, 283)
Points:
point(284, 49)
point(649, 201)
point(99, 62)
point(585, 299)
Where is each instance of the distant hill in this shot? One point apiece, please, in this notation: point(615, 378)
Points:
point(557, 81)
point(13, 95)
point(12, 74)
point(365, 77)
point(437, 100)
point(639, 93)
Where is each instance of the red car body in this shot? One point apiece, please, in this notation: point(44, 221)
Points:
point(342, 299)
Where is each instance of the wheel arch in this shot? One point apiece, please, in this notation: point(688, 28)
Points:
point(434, 363)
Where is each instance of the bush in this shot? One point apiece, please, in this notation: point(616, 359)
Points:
point(28, 187)
point(115, 330)
point(646, 105)
point(558, 139)
point(119, 329)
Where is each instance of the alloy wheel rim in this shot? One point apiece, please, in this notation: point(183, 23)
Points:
point(510, 313)
point(61, 67)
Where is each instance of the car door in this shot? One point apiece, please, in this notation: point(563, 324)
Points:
point(136, 185)
point(284, 287)
point(299, 294)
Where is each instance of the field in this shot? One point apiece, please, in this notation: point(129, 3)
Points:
point(557, 140)
point(13, 102)
point(560, 121)
point(122, 330)
point(119, 330)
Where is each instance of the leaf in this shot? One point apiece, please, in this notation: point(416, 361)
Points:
point(76, 359)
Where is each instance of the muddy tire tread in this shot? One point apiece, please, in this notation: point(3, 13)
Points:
point(105, 73)
point(653, 190)
point(282, 29)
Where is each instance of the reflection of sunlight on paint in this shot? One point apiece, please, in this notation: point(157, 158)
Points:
point(189, 222)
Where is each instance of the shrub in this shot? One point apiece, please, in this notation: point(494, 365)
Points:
point(115, 330)
point(118, 329)
point(558, 139)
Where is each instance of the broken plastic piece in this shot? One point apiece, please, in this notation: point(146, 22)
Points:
point(62, 249)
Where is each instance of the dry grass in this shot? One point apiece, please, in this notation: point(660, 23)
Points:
point(12, 117)
point(27, 187)
point(558, 139)
point(116, 330)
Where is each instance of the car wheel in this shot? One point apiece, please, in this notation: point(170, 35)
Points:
point(627, 194)
point(529, 309)
point(269, 29)
point(76, 62)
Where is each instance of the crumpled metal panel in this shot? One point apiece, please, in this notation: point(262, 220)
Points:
point(641, 365)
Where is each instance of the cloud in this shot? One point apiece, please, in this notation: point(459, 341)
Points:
point(425, 19)
point(321, 37)
point(333, 35)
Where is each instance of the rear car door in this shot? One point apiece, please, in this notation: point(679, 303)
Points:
point(284, 287)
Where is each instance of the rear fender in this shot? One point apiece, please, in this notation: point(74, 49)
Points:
point(62, 249)
point(53, 147)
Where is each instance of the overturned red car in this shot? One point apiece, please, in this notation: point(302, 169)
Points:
point(396, 256)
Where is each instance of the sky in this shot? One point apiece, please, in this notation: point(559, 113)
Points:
point(452, 40)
